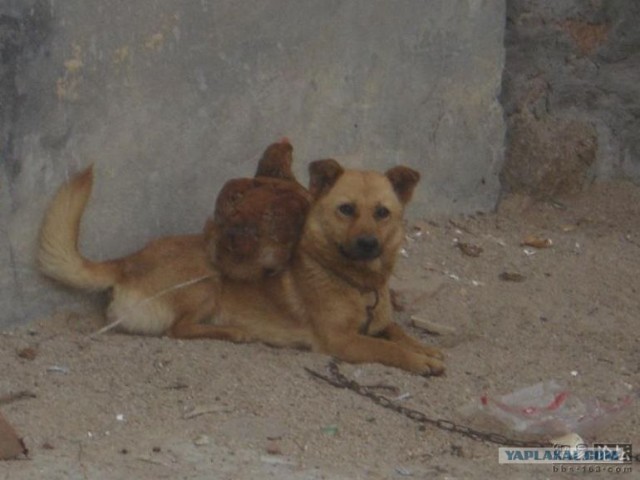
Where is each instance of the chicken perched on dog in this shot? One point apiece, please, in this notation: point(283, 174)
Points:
point(257, 221)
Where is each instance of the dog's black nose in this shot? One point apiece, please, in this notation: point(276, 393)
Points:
point(368, 245)
point(363, 248)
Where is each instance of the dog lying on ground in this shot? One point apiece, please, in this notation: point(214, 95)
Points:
point(332, 298)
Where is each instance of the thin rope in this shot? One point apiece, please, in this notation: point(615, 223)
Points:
point(117, 322)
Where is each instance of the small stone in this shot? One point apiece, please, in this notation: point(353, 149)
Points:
point(11, 445)
point(431, 327)
point(404, 472)
point(201, 440)
point(273, 460)
point(536, 242)
point(273, 448)
point(330, 430)
point(512, 277)
point(469, 249)
point(28, 353)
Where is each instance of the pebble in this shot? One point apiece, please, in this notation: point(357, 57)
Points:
point(28, 353)
point(201, 440)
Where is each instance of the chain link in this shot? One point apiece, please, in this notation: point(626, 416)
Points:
point(339, 380)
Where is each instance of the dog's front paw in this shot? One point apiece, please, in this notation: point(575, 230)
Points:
point(436, 367)
point(427, 365)
point(432, 352)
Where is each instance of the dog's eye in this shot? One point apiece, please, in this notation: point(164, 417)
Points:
point(347, 209)
point(381, 213)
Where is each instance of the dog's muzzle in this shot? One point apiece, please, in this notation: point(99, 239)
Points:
point(365, 247)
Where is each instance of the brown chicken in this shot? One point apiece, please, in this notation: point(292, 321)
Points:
point(257, 221)
point(276, 161)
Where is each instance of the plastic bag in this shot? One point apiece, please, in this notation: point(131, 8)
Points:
point(547, 409)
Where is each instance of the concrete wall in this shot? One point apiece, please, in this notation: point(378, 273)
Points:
point(170, 99)
point(571, 94)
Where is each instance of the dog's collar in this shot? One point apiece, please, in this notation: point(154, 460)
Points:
point(364, 328)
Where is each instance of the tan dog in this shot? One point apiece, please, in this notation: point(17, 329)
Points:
point(334, 297)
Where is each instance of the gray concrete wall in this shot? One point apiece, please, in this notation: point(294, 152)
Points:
point(571, 94)
point(169, 99)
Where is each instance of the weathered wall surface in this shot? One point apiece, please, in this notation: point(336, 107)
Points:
point(571, 94)
point(171, 98)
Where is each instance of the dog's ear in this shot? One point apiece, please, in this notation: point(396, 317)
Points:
point(322, 175)
point(403, 180)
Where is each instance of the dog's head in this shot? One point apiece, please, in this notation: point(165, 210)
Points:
point(356, 220)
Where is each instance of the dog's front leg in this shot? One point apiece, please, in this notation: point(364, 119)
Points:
point(356, 348)
point(396, 333)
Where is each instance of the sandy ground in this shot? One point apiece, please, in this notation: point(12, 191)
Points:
point(121, 406)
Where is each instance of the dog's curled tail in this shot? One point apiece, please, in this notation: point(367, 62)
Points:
point(58, 254)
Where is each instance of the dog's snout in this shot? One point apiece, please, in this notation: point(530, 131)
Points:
point(367, 243)
point(364, 247)
point(367, 247)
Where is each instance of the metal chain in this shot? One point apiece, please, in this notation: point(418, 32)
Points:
point(364, 329)
point(339, 380)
